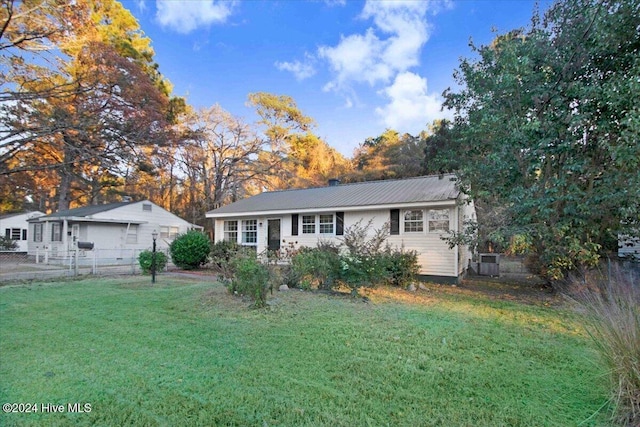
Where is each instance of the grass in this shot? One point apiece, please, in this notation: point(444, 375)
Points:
point(186, 353)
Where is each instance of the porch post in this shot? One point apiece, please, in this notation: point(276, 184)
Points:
point(65, 239)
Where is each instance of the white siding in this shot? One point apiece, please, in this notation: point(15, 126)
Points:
point(19, 222)
point(434, 255)
point(109, 229)
point(629, 247)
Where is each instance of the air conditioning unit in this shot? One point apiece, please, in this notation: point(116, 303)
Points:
point(489, 265)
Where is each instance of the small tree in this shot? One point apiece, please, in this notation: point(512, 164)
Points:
point(191, 250)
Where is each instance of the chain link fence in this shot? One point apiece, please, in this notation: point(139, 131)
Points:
point(45, 265)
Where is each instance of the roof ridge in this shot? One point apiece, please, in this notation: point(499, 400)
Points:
point(361, 183)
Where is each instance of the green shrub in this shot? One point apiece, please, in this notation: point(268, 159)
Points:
point(190, 250)
point(222, 252)
point(7, 244)
point(363, 271)
point(613, 306)
point(319, 267)
point(402, 267)
point(146, 261)
point(251, 278)
point(364, 265)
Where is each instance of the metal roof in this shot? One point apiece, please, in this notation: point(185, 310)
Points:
point(432, 188)
point(85, 210)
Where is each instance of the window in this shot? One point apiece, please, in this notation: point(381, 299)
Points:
point(56, 232)
point(438, 220)
point(169, 232)
point(132, 234)
point(250, 232)
point(146, 207)
point(13, 233)
point(413, 221)
point(231, 231)
point(326, 224)
point(24, 234)
point(308, 224)
point(37, 232)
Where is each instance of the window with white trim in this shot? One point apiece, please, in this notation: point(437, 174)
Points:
point(413, 221)
point(169, 232)
point(37, 232)
point(438, 220)
point(132, 234)
point(230, 231)
point(56, 232)
point(250, 232)
point(308, 224)
point(326, 224)
point(13, 233)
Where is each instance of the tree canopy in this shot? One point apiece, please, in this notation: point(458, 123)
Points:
point(548, 127)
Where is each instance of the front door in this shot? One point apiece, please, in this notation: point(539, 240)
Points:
point(75, 235)
point(273, 234)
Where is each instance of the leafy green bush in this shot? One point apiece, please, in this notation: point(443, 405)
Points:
point(319, 267)
point(190, 250)
point(364, 265)
point(146, 261)
point(222, 252)
point(251, 279)
point(401, 266)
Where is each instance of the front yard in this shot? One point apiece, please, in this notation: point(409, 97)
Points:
point(185, 352)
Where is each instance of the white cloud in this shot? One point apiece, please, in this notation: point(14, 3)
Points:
point(411, 108)
point(186, 16)
point(300, 70)
point(391, 46)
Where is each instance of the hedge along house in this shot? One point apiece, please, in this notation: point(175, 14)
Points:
point(115, 229)
point(419, 211)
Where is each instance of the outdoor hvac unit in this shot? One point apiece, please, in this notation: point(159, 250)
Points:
point(489, 265)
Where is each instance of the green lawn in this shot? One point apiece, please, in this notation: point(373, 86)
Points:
point(185, 352)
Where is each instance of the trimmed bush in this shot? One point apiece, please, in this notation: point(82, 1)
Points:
point(191, 250)
point(146, 260)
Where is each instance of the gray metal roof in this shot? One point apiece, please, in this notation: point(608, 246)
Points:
point(85, 210)
point(432, 188)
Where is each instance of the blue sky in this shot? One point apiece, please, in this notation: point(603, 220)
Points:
point(356, 67)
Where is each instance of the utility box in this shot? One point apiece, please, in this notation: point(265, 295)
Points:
point(85, 245)
point(489, 265)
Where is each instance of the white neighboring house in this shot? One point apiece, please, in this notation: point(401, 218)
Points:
point(123, 226)
point(15, 227)
point(419, 211)
point(629, 247)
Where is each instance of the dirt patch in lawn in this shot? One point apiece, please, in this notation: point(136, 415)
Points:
point(527, 293)
point(533, 292)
